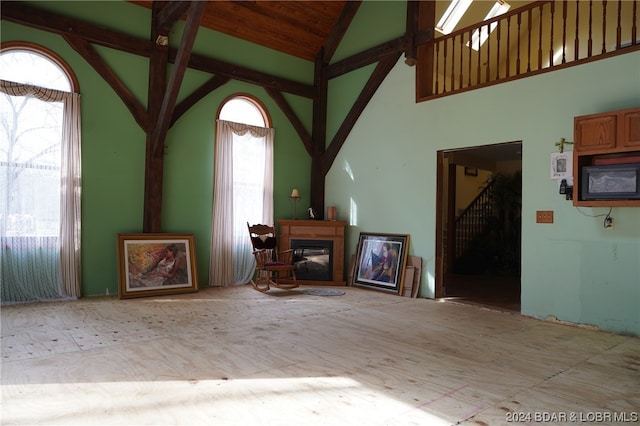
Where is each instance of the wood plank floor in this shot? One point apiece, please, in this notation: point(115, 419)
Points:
point(233, 356)
point(484, 290)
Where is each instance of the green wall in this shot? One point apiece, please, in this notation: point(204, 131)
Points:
point(113, 145)
point(384, 180)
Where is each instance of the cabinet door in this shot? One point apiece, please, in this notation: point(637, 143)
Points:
point(630, 137)
point(594, 134)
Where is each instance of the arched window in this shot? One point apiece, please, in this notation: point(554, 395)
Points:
point(39, 176)
point(243, 109)
point(243, 187)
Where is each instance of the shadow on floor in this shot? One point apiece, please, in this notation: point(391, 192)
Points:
point(501, 293)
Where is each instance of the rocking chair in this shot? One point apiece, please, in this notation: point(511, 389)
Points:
point(273, 267)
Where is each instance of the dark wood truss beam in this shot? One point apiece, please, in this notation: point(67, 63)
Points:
point(366, 57)
point(319, 134)
point(424, 51)
point(376, 53)
point(196, 11)
point(154, 158)
point(87, 51)
point(341, 27)
point(375, 80)
point(30, 16)
point(411, 54)
point(386, 54)
point(212, 84)
point(171, 13)
point(23, 14)
point(163, 111)
point(236, 72)
point(293, 118)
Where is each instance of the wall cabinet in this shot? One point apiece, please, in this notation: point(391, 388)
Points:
point(605, 138)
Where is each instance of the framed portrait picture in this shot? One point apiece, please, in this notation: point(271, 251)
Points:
point(156, 264)
point(561, 165)
point(380, 261)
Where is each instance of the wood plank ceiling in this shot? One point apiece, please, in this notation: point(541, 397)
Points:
point(297, 28)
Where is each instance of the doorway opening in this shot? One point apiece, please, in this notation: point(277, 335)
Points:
point(478, 227)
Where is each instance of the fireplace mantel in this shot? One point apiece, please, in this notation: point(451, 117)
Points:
point(323, 230)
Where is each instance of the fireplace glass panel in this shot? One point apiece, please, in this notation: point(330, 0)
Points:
point(313, 259)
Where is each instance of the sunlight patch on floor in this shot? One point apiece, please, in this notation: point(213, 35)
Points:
point(225, 401)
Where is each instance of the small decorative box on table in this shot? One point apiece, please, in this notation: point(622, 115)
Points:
point(318, 249)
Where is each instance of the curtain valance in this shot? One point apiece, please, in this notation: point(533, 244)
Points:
point(20, 89)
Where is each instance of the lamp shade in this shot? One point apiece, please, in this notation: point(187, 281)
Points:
point(295, 193)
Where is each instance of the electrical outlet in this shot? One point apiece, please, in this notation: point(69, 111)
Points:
point(544, 216)
point(608, 222)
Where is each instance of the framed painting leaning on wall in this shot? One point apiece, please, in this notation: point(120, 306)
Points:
point(381, 261)
point(156, 264)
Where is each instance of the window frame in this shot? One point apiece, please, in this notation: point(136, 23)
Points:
point(250, 98)
point(47, 53)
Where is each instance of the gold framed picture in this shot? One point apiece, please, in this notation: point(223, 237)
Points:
point(156, 264)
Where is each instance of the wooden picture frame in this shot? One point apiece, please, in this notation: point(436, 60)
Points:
point(470, 171)
point(156, 264)
point(381, 261)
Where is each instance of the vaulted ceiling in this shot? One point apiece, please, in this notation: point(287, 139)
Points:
point(298, 28)
point(311, 30)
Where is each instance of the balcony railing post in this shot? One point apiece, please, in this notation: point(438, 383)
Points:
point(492, 62)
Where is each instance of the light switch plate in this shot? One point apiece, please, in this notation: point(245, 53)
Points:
point(544, 216)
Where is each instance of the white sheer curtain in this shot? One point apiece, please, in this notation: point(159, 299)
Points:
point(40, 259)
point(243, 192)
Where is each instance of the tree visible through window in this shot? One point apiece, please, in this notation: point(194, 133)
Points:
point(34, 141)
point(30, 148)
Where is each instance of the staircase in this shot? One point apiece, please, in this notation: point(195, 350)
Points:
point(473, 220)
point(486, 238)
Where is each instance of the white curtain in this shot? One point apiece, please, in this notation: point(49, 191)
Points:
point(242, 192)
point(36, 265)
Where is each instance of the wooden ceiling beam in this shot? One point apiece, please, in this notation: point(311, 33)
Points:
point(171, 13)
point(367, 57)
point(175, 81)
point(162, 109)
point(154, 158)
point(293, 118)
point(319, 134)
point(86, 50)
point(410, 53)
point(344, 20)
point(236, 72)
point(23, 14)
point(212, 84)
point(30, 16)
point(375, 80)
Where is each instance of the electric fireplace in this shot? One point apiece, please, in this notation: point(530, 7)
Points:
point(318, 249)
point(313, 259)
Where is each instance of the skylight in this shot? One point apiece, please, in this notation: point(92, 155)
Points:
point(452, 15)
point(478, 38)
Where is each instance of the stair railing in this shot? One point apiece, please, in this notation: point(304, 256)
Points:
point(473, 219)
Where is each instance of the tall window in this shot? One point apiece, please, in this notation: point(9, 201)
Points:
point(39, 177)
point(243, 188)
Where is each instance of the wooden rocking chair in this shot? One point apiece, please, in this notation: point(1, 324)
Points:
point(273, 267)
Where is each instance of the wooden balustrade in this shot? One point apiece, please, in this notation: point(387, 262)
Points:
point(472, 221)
point(540, 37)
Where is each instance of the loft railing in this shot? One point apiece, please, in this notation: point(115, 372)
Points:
point(537, 38)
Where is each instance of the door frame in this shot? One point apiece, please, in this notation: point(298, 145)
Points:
point(449, 207)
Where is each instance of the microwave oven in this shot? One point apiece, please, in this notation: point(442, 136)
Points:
point(610, 182)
